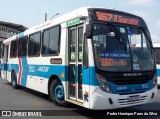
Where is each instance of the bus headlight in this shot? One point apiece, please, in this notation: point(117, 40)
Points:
point(103, 83)
point(154, 81)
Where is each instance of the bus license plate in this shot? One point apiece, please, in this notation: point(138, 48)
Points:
point(134, 98)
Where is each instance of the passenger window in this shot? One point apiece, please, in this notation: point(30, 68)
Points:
point(51, 38)
point(14, 49)
point(22, 47)
point(80, 39)
point(34, 45)
point(72, 46)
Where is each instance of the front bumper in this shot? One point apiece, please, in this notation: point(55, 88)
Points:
point(102, 100)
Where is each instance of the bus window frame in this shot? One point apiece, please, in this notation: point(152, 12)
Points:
point(85, 53)
point(11, 48)
point(59, 41)
point(29, 56)
point(27, 38)
point(2, 49)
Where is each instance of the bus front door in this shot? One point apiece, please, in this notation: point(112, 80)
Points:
point(75, 36)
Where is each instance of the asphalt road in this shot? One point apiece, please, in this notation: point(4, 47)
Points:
point(25, 99)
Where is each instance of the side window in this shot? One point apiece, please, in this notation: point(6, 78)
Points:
point(50, 43)
point(22, 47)
point(45, 42)
point(14, 49)
point(2, 50)
point(157, 54)
point(34, 44)
point(80, 40)
point(72, 46)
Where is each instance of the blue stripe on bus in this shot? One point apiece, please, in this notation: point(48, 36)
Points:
point(4, 67)
point(129, 89)
point(24, 72)
point(89, 76)
point(21, 35)
point(158, 72)
point(41, 71)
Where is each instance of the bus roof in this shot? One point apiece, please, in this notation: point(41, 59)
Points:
point(81, 12)
point(71, 15)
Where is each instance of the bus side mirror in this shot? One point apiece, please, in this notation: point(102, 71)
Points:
point(88, 32)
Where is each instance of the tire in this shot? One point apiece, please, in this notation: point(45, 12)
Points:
point(14, 80)
point(57, 93)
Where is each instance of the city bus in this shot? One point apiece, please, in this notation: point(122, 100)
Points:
point(88, 57)
point(156, 47)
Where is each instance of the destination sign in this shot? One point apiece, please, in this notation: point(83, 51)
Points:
point(109, 62)
point(107, 15)
point(102, 16)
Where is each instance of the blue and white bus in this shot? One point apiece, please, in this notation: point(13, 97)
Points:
point(87, 57)
point(157, 55)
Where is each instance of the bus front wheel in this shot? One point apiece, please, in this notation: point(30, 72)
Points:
point(14, 80)
point(57, 93)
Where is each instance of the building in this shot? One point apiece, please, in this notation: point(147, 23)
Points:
point(9, 29)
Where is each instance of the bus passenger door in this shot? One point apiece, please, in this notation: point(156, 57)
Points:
point(75, 36)
point(5, 61)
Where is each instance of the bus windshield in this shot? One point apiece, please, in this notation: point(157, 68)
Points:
point(121, 48)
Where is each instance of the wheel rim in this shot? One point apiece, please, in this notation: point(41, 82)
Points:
point(59, 92)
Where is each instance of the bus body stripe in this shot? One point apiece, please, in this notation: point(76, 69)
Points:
point(16, 37)
point(20, 70)
point(158, 72)
point(45, 71)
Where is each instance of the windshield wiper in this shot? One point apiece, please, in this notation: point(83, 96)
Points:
point(121, 38)
point(116, 31)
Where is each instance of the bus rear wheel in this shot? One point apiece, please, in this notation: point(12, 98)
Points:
point(57, 93)
point(14, 80)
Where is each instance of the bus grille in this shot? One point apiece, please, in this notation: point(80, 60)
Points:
point(124, 81)
point(128, 102)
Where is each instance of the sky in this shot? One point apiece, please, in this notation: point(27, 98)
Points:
point(32, 12)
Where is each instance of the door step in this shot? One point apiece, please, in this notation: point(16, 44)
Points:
point(75, 102)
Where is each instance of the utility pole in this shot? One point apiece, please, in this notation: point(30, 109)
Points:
point(45, 16)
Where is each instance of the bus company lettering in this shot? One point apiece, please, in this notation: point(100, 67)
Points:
point(102, 16)
point(121, 88)
point(43, 69)
point(145, 86)
point(132, 74)
point(31, 69)
point(43, 25)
